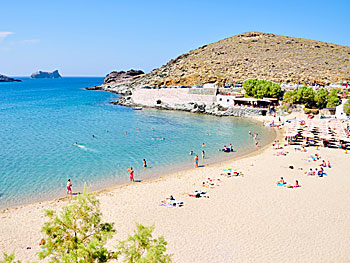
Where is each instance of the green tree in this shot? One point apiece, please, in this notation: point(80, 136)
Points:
point(346, 107)
point(321, 98)
point(248, 86)
point(333, 98)
point(143, 248)
point(290, 97)
point(77, 234)
point(261, 88)
point(306, 96)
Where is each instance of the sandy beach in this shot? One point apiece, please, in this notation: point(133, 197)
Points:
point(245, 219)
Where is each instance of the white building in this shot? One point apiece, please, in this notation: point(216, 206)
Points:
point(339, 110)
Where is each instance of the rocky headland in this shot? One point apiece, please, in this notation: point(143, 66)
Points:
point(4, 78)
point(230, 61)
point(46, 75)
point(250, 55)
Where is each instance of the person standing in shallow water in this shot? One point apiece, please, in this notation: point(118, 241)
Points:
point(131, 174)
point(69, 187)
point(144, 163)
point(196, 161)
point(203, 155)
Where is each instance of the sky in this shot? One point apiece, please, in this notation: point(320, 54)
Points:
point(93, 38)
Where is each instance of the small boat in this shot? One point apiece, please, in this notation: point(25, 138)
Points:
point(137, 108)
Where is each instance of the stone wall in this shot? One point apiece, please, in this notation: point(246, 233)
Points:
point(173, 96)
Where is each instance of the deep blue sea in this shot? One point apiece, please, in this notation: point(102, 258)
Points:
point(41, 119)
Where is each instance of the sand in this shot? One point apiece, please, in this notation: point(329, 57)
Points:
point(246, 218)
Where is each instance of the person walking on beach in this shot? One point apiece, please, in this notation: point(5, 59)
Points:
point(196, 161)
point(69, 187)
point(131, 174)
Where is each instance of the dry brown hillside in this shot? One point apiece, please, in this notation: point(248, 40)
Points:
point(254, 55)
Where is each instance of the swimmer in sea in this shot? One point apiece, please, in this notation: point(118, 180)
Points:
point(69, 187)
point(203, 144)
point(250, 132)
point(131, 174)
point(191, 152)
point(75, 143)
point(144, 163)
point(93, 136)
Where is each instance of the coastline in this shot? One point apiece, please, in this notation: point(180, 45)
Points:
point(246, 219)
point(114, 186)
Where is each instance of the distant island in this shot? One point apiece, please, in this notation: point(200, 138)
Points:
point(4, 78)
point(46, 75)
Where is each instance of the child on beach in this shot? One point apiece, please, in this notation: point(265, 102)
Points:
point(69, 187)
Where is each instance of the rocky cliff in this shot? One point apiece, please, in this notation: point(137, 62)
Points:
point(121, 76)
point(4, 78)
point(48, 75)
point(250, 55)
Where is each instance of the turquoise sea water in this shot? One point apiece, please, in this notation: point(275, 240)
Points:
point(40, 119)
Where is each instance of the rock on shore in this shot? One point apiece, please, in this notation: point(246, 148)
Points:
point(4, 78)
point(120, 76)
point(46, 75)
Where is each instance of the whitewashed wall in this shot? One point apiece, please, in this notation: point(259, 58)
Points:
point(149, 97)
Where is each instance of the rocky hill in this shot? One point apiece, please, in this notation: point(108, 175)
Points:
point(251, 55)
point(121, 76)
point(4, 78)
point(46, 75)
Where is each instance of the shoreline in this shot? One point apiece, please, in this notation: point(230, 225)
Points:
point(246, 219)
point(116, 186)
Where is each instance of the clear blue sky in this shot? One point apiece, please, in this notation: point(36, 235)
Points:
point(92, 38)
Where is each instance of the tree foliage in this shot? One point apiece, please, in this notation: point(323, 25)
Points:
point(77, 234)
point(261, 88)
point(321, 98)
point(333, 99)
point(9, 258)
point(308, 97)
point(142, 248)
point(346, 107)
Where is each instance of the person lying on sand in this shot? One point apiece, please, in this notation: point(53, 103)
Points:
point(294, 186)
